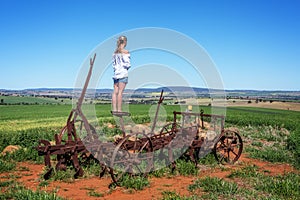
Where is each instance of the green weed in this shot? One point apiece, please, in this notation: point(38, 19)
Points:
point(16, 191)
point(186, 168)
point(293, 145)
point(271, 154)
point(214, 185)
point(65, 176)
point(285, 186)
point(209, 159)
point(248, 171)
point(6, 166)
point(6, 183)
point(93, 193)
point(134, 182)
point(162, 172)
point(171, 195)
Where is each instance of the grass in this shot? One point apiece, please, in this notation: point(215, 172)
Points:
point(65, 176)
point(6, 166)
point(162, 172)
point(25, 125)
point(14, 190)
point(25, 100)
point(93, 193)
point(246, 172)
point(134, 182)
point(6, 183)
point(284, 186)
point(245, 116)
point(215, 185)
point(92, 168)
point(274, 154)
point(269, 134)
point(172, 195)
point(255, 186)
point(186, 168)
point(293, 145)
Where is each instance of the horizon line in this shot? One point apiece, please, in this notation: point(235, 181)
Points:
point(153, 88)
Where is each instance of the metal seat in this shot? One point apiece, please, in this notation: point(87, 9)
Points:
point(120, 114)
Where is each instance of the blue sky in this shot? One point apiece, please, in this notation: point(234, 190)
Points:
point(254, 43)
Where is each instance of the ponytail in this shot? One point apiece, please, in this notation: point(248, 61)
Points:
point(121, 40)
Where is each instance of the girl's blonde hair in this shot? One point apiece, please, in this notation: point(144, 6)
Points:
point(121, 40)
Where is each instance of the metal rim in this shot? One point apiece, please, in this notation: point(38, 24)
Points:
point(128, 154)
point(229, 147)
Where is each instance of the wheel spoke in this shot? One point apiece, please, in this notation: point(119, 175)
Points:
point(234, 153)
point(143, 147)
point(228, 156)
point(221, 158)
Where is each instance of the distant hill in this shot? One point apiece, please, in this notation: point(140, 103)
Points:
point(201, 92)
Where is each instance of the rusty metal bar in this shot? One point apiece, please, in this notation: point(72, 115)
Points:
point(78, 110)
point(161, 98)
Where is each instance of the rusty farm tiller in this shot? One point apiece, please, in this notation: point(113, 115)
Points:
point(135, 152)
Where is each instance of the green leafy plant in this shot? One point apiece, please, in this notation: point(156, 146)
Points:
point(6, 166)
point(93, 193)
point(172, 195)
point(248, 171)
point(186, 168)
point(214, 185)
point(16, 191)
point(271, 154)
point(134, 182)
point(285, 186)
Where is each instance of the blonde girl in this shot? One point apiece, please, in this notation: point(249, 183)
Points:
point(121, 64)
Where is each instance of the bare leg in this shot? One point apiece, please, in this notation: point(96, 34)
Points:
point(114, 96)
point(120, 95)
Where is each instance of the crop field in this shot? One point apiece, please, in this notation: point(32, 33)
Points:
point(268, 169)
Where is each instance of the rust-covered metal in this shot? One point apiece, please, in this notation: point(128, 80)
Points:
point(69, 150)
point(129, 150)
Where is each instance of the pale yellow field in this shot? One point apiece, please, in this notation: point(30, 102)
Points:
point(274, 105)
point(230, 103)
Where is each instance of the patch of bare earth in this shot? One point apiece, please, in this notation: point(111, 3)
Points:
point(274, 105)
point(29, 175)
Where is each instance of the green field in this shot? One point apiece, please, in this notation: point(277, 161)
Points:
point(16, 118)
point(29, 100)
point(25, 125)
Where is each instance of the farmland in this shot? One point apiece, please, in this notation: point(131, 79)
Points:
point(271, 137)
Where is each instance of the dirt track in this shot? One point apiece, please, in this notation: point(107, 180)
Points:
point(80, 188)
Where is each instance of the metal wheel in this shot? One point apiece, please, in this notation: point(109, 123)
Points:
point(133, 156)
point(229, 147)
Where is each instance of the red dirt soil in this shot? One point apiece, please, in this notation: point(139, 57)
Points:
point(80, 188)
